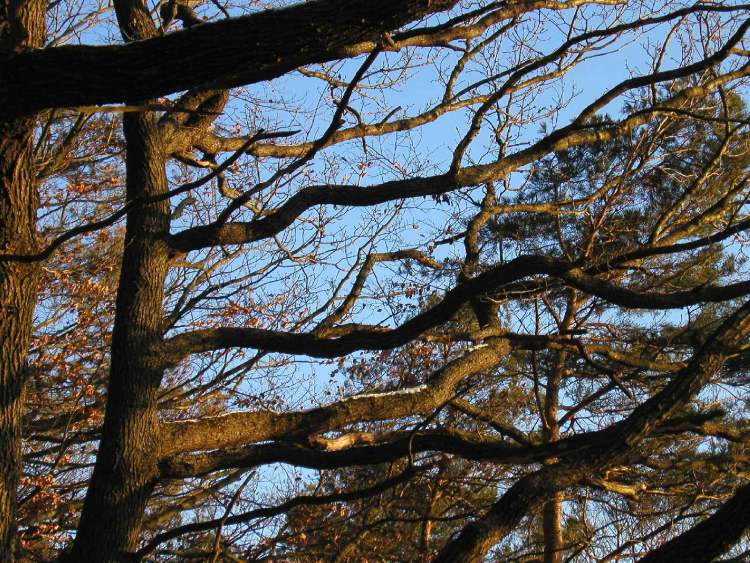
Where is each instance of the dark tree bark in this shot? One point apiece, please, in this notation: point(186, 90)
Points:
point(18, 203)
point(477, 538)
point(710, 538)
point(136, 450)
point(613, 447)
point(126, 468)
point(227, 53)
point(21, 27)
point(126, 465)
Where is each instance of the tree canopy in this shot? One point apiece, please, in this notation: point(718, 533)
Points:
point(408, 280)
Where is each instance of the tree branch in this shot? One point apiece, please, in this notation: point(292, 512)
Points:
point(221, 54)
point(240, 428)
point(712, 537)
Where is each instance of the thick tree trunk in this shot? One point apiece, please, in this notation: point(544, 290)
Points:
point(21, 27)
point(126, 470)
point(18, 203)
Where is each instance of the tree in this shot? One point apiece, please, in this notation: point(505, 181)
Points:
point(492, 371)
point(536, 379)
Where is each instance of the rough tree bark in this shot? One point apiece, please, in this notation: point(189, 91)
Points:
point(226, 53)
point(21, 27)
point(126, 469)
point(254, 48)
point(17, 299)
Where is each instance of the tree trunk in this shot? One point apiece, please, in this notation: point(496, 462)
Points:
point(21, 27)
point(553, 537)
point(18, 282)
point(126, 471)
point(552, 512)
